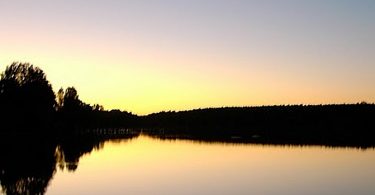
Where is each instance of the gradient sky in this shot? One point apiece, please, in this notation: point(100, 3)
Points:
point(148, 56)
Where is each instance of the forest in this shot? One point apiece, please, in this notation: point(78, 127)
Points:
point(30, 106)
point(58, 128)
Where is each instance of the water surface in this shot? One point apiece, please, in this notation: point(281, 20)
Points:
point(146, 165)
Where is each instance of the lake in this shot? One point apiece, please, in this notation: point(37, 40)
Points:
point(147, 165)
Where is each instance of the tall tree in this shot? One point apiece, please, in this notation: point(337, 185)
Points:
point(26, 97)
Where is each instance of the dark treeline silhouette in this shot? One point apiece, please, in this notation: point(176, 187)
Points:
point(60, 127)
point(42, 132)
point(74, 114)
point(29, 105)
point(345, 124)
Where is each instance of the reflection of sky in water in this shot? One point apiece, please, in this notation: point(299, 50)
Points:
point(150, 166)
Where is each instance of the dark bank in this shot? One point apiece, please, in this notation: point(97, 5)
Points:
point(30, 106)
point(43, 131)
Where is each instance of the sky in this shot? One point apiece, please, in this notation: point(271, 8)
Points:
point(148, 56)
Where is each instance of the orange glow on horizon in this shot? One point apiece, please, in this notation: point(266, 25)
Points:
point(132, 58)
point(144, 87)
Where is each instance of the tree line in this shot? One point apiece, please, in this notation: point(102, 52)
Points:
point(330, 125)
point(28, 104)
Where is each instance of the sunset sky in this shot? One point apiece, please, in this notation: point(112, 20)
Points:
point(149, 56)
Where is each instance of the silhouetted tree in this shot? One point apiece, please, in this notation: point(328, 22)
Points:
point(71, 100)
point(72, 112)
point(26, 97)
point(98, 107)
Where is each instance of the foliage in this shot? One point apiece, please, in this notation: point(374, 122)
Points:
point(26, 97)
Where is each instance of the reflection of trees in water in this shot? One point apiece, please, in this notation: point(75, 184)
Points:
point(69, 151)
point(27, 164)
point(28, 105)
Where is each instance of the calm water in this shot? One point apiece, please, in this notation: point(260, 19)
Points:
point(145, 165)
